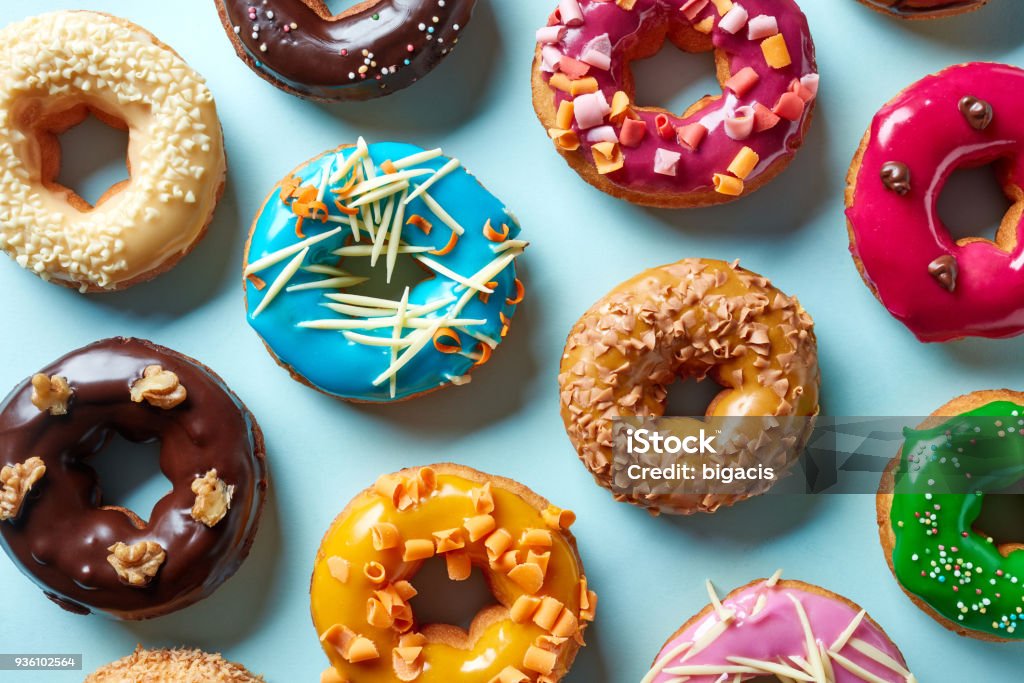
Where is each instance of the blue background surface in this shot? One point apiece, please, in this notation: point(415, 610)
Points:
point(477, 106)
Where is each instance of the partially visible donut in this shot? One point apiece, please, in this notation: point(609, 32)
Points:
point(930, 501)
point(780, 630)
point(54, 70)
point(939, 287)
point(372, 49)
point(924, 9)
point(693, 319)
point(724, 146)
point(88, 556)
point(172, 666)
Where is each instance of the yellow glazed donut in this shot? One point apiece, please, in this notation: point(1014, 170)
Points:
point(54, 70)
point(693, 319)
point(363, 597)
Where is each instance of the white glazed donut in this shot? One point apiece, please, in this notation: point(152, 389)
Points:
point(54, 70)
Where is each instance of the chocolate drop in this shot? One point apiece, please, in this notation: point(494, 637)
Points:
point(896, 177)
point(978, 112)
point(944, 269)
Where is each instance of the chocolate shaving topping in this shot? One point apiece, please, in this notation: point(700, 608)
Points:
point(978, 112)
point(896, 177)
point(944, 269)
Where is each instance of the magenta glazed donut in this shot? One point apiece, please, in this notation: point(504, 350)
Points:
point(721, 148)
point(941, 288)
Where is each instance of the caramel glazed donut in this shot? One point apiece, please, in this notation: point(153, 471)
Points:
point(693, 319)
point(54, 70)
point(924, 9)
point(172, 666)
point(88, 556)
point(370, 50)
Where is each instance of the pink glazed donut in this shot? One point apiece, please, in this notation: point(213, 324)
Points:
point(724, 146)
point(941, 288)
point(780, 630)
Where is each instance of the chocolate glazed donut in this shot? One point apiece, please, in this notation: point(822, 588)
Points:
point(60, 532)
point(370, 50)
point(924, 9)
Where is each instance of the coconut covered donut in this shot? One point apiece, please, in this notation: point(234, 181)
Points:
point(57, 68)
point(939, 287)
point(929, 503)
point(693, 319)
point(172, 666)
point(722, 147)
point(363, 593)
point(924, 9)
point(90, 556)
point(780, 630)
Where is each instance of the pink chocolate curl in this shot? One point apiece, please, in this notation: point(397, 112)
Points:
point(550, 34)
point(762, 26)
point(743, 81)
point(590, 109)
point(790, 107)
point(740, 125)
point(571, 13)
point(601, 134)
point(633, 132)
point(598, 52)
point(691, 136)
point(734, 19)
point(666, 162)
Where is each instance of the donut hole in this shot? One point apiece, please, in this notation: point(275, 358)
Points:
point(80, 151)
point(973, 206)
point(1002, 518)
point(660, 79)
point(442, 601)
point(667, 81)
point(691, 398)
point(334, 8)
point(408, 272)
point(129, 476)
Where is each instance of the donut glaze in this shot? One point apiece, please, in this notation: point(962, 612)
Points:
point(930, 501)
point(365, 570)
point(61, 538)
point(941, 288)
point(56, 68)
point(338, 344)
point(768, 623)
point(370, 50)
point(924, 9)
point(691, 320)
point(673, 160)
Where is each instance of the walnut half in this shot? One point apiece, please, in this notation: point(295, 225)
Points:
point(213, 498)
point(136, 564)
point(15, 483)
point(158, 387)
point(51, 393)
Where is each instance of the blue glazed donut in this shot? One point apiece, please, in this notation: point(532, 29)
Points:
point(382, 202)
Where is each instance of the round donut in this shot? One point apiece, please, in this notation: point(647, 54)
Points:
point(924, 9)
point(693, 319)
point(941, 288)
point(382, 202)
point(172, 666)
point(721, 148)
point(929, 500)
point(780, 630)
point(56, 69)
point(372, 49)
point(91, 557)
point(362, 584)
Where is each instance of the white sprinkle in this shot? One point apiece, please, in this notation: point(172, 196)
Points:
point(282, 254)
point(282, 279)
